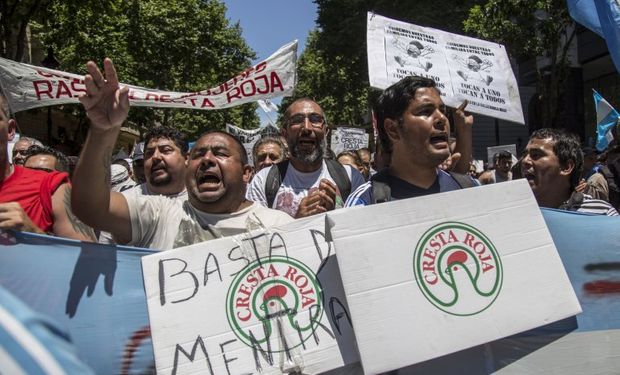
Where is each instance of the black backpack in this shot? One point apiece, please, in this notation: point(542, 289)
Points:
point(335, 169)
point(381, 190)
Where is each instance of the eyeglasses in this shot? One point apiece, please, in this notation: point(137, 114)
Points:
point(316, 120)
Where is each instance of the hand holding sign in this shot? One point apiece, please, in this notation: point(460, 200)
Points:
point(106, 103)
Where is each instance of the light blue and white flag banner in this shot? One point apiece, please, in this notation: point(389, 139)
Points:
point(606, 119)
point(603, 18)
point(96, 293)
point(93, 291)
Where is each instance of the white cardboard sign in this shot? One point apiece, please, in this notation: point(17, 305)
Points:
point(447, 272)
point(270, 301)
point(462, 67)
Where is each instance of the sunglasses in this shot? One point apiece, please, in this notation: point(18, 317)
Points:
point(315, 119)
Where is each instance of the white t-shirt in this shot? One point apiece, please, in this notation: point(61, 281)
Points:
point(158, 222)
point(297, 185)
point(143, 189)
point(137, 191)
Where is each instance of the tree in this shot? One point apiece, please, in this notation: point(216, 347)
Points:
point(182, 45)
point(15, 16)
point(333, 68)
point(529, 29)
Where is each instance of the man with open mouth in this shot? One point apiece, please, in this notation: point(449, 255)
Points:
point(414, 130)
point(306, 184)
point(552, 165)
point(216, 175)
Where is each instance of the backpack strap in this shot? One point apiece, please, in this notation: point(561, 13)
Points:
point(573, 203)
point(463, 180)
point(381, 191)
point(340, 176)
point(612, 185)
point(273, 181)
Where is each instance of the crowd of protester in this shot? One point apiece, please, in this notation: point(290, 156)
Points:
point(167, 195)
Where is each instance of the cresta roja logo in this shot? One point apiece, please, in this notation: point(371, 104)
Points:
point(457, 268)
point(270, 294)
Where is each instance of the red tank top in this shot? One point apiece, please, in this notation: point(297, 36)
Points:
point(33, 190)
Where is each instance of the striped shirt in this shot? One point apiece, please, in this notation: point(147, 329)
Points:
point(363, 195)
point(589, 205)
point(32, 344)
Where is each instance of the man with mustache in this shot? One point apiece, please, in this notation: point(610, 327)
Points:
point(217, 172)
point(306, 183)
point(164, 163)
point(552, 164)
point(414, 130)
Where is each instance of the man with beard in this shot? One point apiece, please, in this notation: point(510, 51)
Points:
point(552, 165)
point(414, 130)
point(217, 172)
point(306, 184)
point(164, 163)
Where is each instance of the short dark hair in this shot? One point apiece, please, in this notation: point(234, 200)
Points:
point(167, 132)
point(394, 101)
point(62, 163)
point(240, 146)
point(266, 140)
point(566, 147)
point(287, 113)
point(502, 155)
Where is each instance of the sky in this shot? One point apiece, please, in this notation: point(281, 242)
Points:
point(269, 24)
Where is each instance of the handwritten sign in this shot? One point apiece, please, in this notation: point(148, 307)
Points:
point(462, 67)
point(28, 86)
point(269, 301)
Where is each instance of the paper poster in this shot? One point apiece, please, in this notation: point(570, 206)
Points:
point(248, 137)
point(348, 139)
point(462, 67)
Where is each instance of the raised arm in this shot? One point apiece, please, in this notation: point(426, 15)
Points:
point(107, 105)
point(463, 124)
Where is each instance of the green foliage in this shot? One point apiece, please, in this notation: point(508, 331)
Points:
point(527, 27)
point(333, 68)
point(15, 16)
point(531, 29)
point(182, 45)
